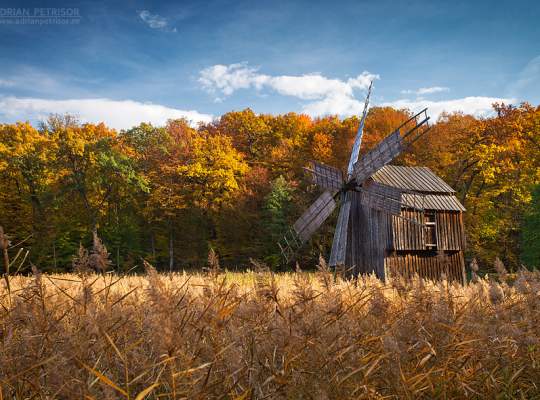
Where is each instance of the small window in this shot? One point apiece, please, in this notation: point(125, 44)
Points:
point(431, 230)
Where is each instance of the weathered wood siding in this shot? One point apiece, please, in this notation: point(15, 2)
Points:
point(410, 236)
point(406, 234)
point(383, 244)
point(369, 237)
point(430, 265)
point(450, 235)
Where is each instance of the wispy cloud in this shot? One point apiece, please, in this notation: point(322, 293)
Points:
point(156, 21)
point(478, 106)
point(36, 82)
point(6, 83)
point(427, 90)
point(527, 85)
point(324, 95)
point(119, 114)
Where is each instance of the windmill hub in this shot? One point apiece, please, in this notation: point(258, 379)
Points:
point(350, 186)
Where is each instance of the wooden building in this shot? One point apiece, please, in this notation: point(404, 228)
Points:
point(392, 220)
point(387, 244)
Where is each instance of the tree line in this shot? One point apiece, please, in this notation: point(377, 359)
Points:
point(170, 194)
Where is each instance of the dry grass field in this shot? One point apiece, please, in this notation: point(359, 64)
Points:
point(257, 335)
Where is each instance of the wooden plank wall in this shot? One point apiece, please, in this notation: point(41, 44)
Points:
point(379, 223)
point(450, 235)
point(408, 235)
point(374, 234)
point(429, 265)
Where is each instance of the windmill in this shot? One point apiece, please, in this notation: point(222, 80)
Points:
point(368, 207)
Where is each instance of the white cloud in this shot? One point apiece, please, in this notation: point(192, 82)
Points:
point(125, 114)
point(155, 21)
point(428, 90)
point(474, 105)
point(119, 114)
point(6, 83)
point(229, 78)
point(325, 95)
point(527, 86)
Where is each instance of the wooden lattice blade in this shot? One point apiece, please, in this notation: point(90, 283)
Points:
point(326, 177)
point(358, 139)
point(381, 197)
point(391, 146)
point(339, 244)
point(378, 157)
point(314, 216)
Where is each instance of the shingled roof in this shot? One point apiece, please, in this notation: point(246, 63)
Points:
point(438, 195)
point(441, 202)
point(418, 179)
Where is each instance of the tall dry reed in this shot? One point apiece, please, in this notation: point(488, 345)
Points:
point(261, 335)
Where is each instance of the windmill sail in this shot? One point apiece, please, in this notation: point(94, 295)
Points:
point(391, 201)
point(391, 147)
point(314, 216)
point(358, 139)
point(420, 120)
point(378, 157)
point(339, 244)
point(382, 197)
point(326, 177)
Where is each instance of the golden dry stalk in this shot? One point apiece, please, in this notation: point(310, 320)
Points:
point(262, 335)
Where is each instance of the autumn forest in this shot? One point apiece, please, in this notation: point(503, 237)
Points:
point(170, 194)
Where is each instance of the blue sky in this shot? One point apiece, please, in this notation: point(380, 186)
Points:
point(135, 61)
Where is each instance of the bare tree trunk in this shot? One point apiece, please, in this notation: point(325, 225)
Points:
point(171, 248)
point(54, 252)
point(4, 244)
point(119, 241)
point(153, 245)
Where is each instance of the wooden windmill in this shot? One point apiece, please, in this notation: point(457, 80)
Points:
point(392, 220)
